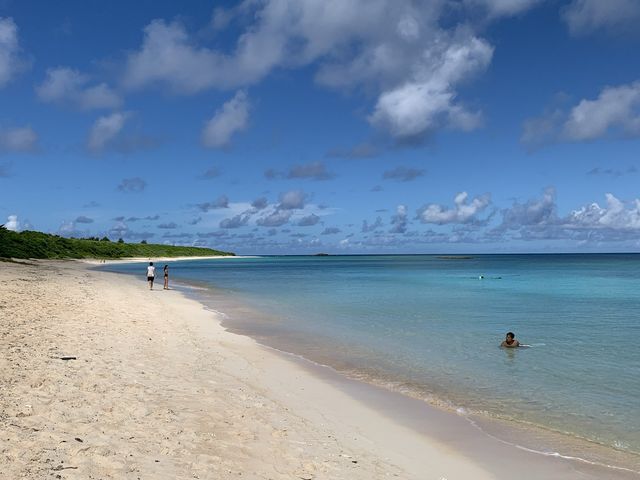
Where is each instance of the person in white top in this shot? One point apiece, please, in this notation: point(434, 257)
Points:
point(151, 274)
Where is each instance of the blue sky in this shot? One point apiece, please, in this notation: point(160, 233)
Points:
point(340, 126)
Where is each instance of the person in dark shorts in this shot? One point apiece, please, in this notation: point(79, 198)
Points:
point(151, 274)
point(166, 277)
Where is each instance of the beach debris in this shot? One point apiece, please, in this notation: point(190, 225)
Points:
point(61, 467)
point(78, 439)
point(68, 357)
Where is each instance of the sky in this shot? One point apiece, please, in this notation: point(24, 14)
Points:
point(334, 126)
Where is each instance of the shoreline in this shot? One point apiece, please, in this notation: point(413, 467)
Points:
point(359, 386)
point(112, 261)
point(522, 435)
point(161, 390)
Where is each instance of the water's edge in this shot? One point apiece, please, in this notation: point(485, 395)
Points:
point(530, 438)
point(527, 437)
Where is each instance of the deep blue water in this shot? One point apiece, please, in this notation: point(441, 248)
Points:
point(432, 326)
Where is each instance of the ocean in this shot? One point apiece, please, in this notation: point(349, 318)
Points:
point(430, 327)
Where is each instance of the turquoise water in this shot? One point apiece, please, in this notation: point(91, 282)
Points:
point(431, 327)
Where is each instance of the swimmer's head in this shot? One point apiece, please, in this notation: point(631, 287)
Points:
point(510, 336)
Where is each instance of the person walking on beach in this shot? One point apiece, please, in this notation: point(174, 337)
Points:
point(151, 273)
point(510, 341)
point(166, 277)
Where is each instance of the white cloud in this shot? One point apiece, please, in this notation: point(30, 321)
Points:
point(67, 86)
point(536, 212)
point(615, 112)
point(462, 212)
point(294, 199)
point(22, 139)
point(105, 129)
point(399, 220)
point(586, 16)
point(309, 220)
point(537, 219)
point(10, 63)
point(275, 219)
point(614, 215)
point(12, 223)
point(615, 107)
point(395, 49)
point(168, 56)
point(427, 101)
point(233, 117)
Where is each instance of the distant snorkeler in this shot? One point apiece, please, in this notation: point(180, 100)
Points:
point(510, 341)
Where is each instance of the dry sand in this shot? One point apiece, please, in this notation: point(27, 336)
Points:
point(158, 389)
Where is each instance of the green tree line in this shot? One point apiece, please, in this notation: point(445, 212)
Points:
point(30, 244)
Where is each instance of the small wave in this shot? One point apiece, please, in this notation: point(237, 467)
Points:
point(551, 454)
point(189, 287)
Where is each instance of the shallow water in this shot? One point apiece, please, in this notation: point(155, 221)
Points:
point(430, 326)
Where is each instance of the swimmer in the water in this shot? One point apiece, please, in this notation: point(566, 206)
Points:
point(510, 341)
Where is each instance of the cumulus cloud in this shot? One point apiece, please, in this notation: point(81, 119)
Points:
point(10, 63)
point(22, 139)
point(105, 130)
point(586, 16)
point(615, 108)
point(403, 174)
point(366, 227)
point(331, 231)
point(168, 56)
point(538, 219)
point(614, 215)
point(399, 220)
point(260, 203)
point(309, 220)
point(294, 199)
point(233, 117)
point(427, 101)
point(399, 50)
point(462, 211)
point(275, 219)
point(615, 112)
point(132, 185)
point(83, 219)
point(235, 222)
point(12, 223)
point(221, 202)
point(67, 86)
point(536, 212)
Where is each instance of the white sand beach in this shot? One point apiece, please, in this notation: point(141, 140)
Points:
point(156, 388)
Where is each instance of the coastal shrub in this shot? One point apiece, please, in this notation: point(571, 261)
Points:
point(31, 244)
